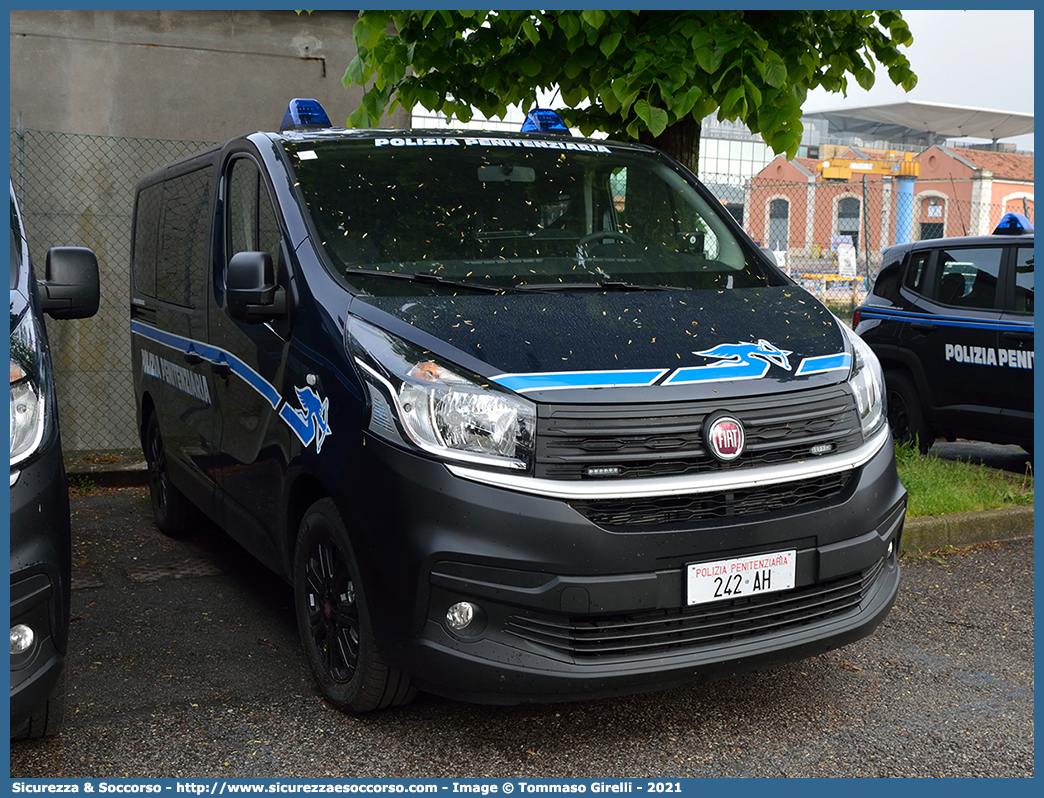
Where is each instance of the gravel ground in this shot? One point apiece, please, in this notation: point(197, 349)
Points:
point(186, 663)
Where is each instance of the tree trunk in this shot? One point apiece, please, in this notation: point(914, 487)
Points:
point(681, 141)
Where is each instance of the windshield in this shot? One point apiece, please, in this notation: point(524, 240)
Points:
point(512, 214)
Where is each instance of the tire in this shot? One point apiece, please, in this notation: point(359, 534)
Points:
point(175, 514)
point(48, 719)
point(334, 619)
point(905, 413)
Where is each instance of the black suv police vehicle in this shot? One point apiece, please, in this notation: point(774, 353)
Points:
point(951, 321)
point(41, 548)
point(521, 417)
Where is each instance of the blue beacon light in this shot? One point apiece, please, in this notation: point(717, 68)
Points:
point(544, 120)
point(304, 114)
point(1013, 224)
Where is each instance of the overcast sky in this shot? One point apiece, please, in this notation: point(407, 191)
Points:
point(981, 59)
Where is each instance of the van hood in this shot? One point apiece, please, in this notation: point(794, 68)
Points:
point(628, 346)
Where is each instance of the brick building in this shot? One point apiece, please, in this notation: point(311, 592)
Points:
point(790, 207)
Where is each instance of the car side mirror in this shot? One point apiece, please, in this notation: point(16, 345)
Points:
point(71, 289)
point(250, 289)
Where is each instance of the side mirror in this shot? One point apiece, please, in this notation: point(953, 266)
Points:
point(250, 289)
point(71, 289)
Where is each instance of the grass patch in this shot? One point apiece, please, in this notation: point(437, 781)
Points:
point(940, 486)
point(81, 484)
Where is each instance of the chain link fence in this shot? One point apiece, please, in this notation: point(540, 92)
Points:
point(77, 190)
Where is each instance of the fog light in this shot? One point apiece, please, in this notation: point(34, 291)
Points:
point(22, 638)
point(458, 617)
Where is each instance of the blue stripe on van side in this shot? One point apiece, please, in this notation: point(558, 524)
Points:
point(212, 354)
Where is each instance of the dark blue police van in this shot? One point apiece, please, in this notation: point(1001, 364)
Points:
point(521, 417)
point(951, 320)
point(41, 545)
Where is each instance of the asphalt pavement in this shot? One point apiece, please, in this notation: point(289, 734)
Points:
point(186, 663)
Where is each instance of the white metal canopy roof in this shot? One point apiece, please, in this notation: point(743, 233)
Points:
point(924, 122)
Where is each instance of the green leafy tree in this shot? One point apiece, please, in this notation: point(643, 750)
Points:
point(645, 75)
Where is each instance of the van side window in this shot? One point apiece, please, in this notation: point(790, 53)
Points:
point(968, 277)
point(916, 271)
point(184, 252)
point(171, 238)
point(146, 238)
point(1024, 280)
point(252, 225)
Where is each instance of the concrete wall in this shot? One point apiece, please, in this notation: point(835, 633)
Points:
point(186, 75)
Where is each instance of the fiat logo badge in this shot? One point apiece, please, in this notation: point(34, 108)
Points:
point(725, 438)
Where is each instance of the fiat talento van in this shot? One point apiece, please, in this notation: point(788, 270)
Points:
point(521, 417)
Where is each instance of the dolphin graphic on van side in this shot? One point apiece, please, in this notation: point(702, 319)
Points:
point(311, 423)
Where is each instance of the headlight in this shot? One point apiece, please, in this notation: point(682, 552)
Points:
point(28, 401)
point(439, 407)
point(867, 383)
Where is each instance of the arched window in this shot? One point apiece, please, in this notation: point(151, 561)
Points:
point(848, 219)
point(933, 216)
point(779, 224)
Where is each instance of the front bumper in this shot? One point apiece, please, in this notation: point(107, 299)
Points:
point(569, 609)
point(40, 581)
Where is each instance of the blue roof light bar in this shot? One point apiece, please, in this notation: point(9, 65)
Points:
point(1013, 224)
point(304, 114)
point(544, 120)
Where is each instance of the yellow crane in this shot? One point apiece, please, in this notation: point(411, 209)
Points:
point(896, 164)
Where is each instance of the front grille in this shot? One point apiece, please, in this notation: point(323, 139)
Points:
point(657, 440)
point(665, 631)
point(624, 514)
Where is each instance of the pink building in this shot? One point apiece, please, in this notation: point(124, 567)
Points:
point(959, 192)
point(790, 207)
point(965, 192)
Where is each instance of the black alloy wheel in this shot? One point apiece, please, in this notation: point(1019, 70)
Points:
point(333, 613)
point(174, 513)
point(333, 619)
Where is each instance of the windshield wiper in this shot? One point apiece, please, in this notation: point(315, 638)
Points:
point(603, 285)
point(424, 277)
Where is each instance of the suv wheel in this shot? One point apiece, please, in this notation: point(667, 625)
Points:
point(334, 620)
point(174, 513)
point(905, 416)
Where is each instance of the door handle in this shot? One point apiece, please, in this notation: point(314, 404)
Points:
point(923, 326)
point(220, 368)
point(193, 359)
point(1012, 335)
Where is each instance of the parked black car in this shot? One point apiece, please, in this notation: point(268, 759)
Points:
point(40, 539)
point(951, 321)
